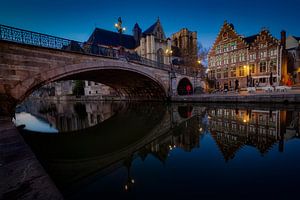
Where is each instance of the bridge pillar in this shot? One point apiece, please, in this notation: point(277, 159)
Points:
point(7, 106)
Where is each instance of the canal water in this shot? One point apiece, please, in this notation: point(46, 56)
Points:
point(122, 150)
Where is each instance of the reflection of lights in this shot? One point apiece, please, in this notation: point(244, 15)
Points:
point(244, 121)
point(174, 146)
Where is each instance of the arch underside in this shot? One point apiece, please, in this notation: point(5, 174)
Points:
point(129, 84)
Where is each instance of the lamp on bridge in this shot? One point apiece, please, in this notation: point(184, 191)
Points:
point(119, 27)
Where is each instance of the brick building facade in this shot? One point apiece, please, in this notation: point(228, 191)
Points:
point(255, 60)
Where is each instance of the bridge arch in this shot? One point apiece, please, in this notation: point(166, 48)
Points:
point(185, 87)
point(130, 82)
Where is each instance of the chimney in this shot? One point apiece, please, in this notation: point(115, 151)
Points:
point(283, 39)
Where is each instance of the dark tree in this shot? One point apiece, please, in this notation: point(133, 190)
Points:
point(78, 88)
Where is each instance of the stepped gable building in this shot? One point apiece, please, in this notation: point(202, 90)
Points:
point(255, 60)
point(184, 47)
point(293, 49)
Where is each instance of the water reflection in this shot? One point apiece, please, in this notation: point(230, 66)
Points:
point(151, 148)
point(66, 116)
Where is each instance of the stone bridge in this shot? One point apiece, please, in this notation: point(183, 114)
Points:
point(29, 60)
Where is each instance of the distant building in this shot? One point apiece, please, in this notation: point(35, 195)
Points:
point(150, 44)
point(93, 88)
point(293, 48)
point(184, 46)
point(153, 43)
point(257, 59)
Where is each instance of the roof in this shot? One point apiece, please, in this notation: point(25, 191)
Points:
point(251, 38)
point(151, 29)
point(297, 38)
point(110, 38)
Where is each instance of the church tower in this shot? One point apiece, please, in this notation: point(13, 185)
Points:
point(137, 34)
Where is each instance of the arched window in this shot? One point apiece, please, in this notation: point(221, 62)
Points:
point(160, 56)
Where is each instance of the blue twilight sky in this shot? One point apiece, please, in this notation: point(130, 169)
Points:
point(77, 19)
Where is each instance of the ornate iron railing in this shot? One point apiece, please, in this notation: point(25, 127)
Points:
point(17, 35)
point(33, 38)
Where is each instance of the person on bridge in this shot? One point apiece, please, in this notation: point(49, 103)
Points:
point(188, 89)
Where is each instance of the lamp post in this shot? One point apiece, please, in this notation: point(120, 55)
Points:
point(172, 74)
point(119, 27)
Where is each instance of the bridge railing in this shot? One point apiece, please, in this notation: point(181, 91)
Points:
point(22, 36)
point(33, 38)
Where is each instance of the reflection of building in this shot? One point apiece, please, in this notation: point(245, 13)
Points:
point(246, 59)
point(184, 136)
point(293, 48)
point(232, 129)
point(184, 46)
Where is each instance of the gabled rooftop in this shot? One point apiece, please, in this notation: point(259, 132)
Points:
point(110, 38)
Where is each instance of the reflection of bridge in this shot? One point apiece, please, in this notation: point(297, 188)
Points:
point(30, 60)
point(104, 148)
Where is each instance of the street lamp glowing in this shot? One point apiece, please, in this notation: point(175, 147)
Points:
point(199, 62)
point(124, 29)
point(169, 52)
point(245, 66)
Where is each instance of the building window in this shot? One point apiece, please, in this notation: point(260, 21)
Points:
point(241, 70)
point(226, 73)
point(262, 80)
point(218, 73)
point(252, 68)
point(89, 83)
point(262, 67)
point(273, 67)
point(233, 72)
point(160, 56)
